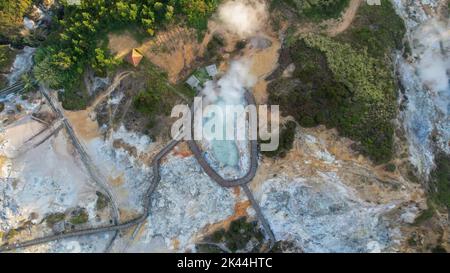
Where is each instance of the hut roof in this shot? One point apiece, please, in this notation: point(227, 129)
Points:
point(134, 57)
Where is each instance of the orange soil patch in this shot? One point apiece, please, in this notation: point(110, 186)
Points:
point(175, 244)
point(3, 160)
point(117, 181)
point(121, 45)
point(174, 62)
point(240, 210)
point(372, 182)
point(126, 215)
point(237, 191)
point(172, 50)
point(83, 125)
point(182, 150)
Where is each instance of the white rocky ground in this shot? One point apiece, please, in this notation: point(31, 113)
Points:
point(185, 202)
point(426, 81)
point(129, 178)
point(321, 214)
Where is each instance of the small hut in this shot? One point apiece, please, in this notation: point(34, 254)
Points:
point(193, 82)
point(212, 70)
point(134, 57)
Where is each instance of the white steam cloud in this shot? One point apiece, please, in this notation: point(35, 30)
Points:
point(243, 17)
point(231, 87)
point(432, 46)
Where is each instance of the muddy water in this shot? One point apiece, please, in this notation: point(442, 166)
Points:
point(264, 61)
point(85, 127)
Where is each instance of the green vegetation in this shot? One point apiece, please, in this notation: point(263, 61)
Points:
point(358, 99)
point(54, 218)
point(79, 40)
point(2, 107)
point(425, 215)
point(11, 234)
point(6, 59)
point(11, 19)
point(236, 238)
point(342, 83)
point(287, 137)
point(29, 84)
point(377, 29)
point(212, 53)
point(316, 10)
point(79, 216)
point(440, 179)
point(438, 249)
point(19, 107)
point(156, 98)
point(102, 201)
point(391, 167)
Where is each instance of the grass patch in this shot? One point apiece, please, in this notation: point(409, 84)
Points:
point(377, 29)
point(7, 56)
point(440, 179)
point(425, 215)
point(237, 237)
point(357, 99)
point(391, 167)
point(8, 236)
point(212, 53)
point(75, 98)
point(54, 218)
point(11, 19)
point(12, 233)
point(347, 82)
point(159, 95)
point(102, 201)
point(317, 10)
point(79, 216)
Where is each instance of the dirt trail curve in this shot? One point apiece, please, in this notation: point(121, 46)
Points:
point(117, 80)
point(347, 18)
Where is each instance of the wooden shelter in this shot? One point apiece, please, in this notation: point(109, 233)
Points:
point(134, 57)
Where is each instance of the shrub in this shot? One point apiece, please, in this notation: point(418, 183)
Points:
point(236, 238)
point(391, 167)
point(54, 218)
point(79, 216)
point(287, 137)
point(377, 29)
point(340, 87)
point(102, 201)
point(316, 10)
point(440, 179)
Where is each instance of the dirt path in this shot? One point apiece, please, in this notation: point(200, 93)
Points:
point(346, 20)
